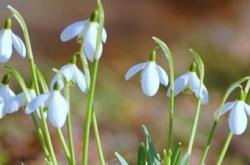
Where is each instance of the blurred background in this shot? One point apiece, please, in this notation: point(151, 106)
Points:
point(218, 30)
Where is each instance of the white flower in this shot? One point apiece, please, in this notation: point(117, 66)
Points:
point(6, 96)
point(190, 81)
point(20, 101)
point(71, 73)
point(151, 76)
point(7, 40)
point(58, 107)
point(238, 115)
point(89, 31)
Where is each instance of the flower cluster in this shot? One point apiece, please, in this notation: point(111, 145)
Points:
point(53, 100)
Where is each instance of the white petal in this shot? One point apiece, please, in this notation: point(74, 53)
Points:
point(194, 84)
point(162, 75)
point(16, 103)
point(57, 109)
point(90, 34)
point(5, 46)
point(6, 93)
point(80, 79)
point(238, 119)
point(72, 30)
point(99, 52)
point(226, 107)
point(180, 84)
point(2, 112)
point(133, 70)
point(247, 109)
point(89, 51)
point(67, 71)
point(18, 45)
point(150, 80)
point(36, 103)
point(104, 35)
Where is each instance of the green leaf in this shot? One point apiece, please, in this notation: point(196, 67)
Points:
point(176, 155)
point(141, 154)
point(153, 157)
point(185, 159)
point(121, 159)
point(166, 157)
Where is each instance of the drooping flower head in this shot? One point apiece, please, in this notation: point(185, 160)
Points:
point(88, 30)
point(152, 75)
point(6, 96)
point(71, 73)
point(58, 107)
point(9, 39)
point(189, 82)
point(239, 110)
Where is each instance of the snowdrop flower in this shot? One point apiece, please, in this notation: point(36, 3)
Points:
point(9, 39)
point(191, 83)
point(58, 107)
point(152, 75)
point(237, 116)
point(71, 73)
point(20, 101)
point(6, 96)
point(88, 29)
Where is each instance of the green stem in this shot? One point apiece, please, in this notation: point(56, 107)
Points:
point(231, 88)
point(64, 144)
point(208, 144)
point(171, 107)
point(169, 57)
point(85, 65)
point(23, 25)
point(47, 137)
point(97, 139)
point(89, 111)
point(195, 124)
point(69, 126)
point(224, 149)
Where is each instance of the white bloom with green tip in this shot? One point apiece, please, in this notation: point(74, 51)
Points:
point(88, 29)
point(6, 96)
point(190, 81)
point(71, 73)
point(58, 107)
point(237, 116)
point(8, 40)
point(152, 76)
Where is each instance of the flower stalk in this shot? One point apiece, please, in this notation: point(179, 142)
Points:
point(168, 55)
point(23, 25)
point(69, 126)
point(200, 64)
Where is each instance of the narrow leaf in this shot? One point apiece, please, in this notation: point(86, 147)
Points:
point(141, 154)
point(121, 159)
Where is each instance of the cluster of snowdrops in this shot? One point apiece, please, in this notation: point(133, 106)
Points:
point(52, 101)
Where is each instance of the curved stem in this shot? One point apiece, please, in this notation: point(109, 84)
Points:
point(97, 139)
point(224, 149)
point(69, 126)
point(64, 144)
